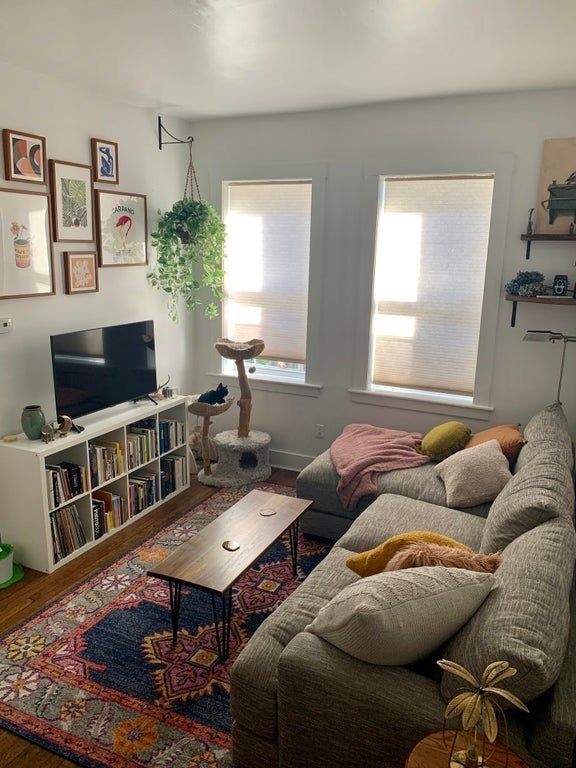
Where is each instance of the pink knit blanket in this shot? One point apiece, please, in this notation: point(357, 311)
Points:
point(362, 452)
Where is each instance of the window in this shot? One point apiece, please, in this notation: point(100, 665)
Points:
point(267, 268)
point(431, 256)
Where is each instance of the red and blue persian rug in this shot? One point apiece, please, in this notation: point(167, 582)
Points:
point(94, 677)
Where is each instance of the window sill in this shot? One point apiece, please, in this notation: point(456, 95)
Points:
point(284, 386)
point(424, 402)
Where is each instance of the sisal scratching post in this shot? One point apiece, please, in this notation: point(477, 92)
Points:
point(207, 411)
point(243, 454)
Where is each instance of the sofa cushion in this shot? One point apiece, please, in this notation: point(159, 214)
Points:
point(400, 617)
point(375, 560)
point(525, 618)
point(475, 475)
point(254, 675)
point(445, 439)
point(390, 515)
point(541, 490)
point(509, 437)
point(546, 429)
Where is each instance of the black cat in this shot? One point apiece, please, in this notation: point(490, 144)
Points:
point(214, 396)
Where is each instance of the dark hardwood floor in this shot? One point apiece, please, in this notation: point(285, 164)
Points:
point(37, 589)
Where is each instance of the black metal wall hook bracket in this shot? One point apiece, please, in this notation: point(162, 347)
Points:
point(163, 130)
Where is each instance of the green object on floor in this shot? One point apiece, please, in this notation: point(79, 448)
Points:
point(17, 574)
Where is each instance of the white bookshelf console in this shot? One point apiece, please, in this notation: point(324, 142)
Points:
point(24, 499)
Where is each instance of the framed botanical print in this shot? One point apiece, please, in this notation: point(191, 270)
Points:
point(80, 272)
point(105, 161)
point(71, 188)
point(24, 157)
point(121, 229)
point(26, 267)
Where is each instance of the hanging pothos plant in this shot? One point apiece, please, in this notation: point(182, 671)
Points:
point(189, 240)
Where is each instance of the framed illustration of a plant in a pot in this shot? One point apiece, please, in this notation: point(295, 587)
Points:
point(26, 267)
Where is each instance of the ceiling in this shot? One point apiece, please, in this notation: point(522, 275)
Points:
point(206, 58)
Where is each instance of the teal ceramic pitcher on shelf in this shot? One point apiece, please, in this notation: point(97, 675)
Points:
point(32, 421)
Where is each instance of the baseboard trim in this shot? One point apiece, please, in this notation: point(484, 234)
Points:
point(287, 460)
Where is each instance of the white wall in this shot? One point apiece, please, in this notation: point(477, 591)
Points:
point(348, 140)
point(68, 117)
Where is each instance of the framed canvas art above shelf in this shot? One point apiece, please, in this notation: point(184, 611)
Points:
point(122, 229)
point(24, 156)
point(71, 188)
point(26, 263)
point(105, 161)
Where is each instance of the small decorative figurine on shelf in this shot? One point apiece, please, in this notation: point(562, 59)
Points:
point(560, 285)
point(64, 426)
point(530, 225)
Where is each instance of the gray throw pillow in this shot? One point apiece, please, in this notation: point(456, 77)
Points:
point(475, 475)
point(398, 617)
point(525, 618)
point(543, 489)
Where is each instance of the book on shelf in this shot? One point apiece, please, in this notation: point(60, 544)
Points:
point(64, 481)
point(98, 517)
point(171, 434)
point(142, 491)
point(172, 474)
point(141, 442)
point(115, 510)
point(106, 461)
point(68, 533)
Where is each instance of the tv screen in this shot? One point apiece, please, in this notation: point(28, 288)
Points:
point(102, 367)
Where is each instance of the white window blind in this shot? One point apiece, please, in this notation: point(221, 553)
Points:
point(267, 265)
point(431, 253)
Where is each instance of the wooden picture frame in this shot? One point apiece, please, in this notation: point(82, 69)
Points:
point(71, 188)
point(122, 228)
point(26, 258)
point(24, 156)
point(80, 272)
point(105, 161)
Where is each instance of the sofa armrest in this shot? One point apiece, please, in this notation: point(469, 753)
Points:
point(334, 710)
point(552, 736)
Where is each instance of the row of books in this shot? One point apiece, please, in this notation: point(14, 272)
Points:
point(141, 442)
point(172, 474)
point(67, 532)
point(106, 461)
point(171, 434)
point(142, 491)
point(108, 511)
point(64, 481)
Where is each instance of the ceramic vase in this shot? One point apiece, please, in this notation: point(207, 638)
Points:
point(32, 422)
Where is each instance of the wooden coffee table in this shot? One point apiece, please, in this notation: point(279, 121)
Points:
point(434, 750)
point(251, 525)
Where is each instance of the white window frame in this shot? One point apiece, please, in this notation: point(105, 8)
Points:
point(282, 381)
point(415, 164)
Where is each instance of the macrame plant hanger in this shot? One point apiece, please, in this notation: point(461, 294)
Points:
point(191, 180)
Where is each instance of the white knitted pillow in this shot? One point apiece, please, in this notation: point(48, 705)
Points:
point(474, 475)
point(398, 617)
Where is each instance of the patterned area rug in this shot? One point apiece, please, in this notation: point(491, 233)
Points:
point(94, 677)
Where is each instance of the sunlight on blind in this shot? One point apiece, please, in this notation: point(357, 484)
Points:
point(267, 264)
point(431, 252)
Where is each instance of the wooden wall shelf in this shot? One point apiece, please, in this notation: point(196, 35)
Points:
point(566, 301)
point(529, 239)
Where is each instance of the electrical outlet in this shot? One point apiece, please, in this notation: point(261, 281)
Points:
point(319, 431)
point(5, 324)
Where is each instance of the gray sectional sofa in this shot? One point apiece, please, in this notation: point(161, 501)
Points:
point(299, 702)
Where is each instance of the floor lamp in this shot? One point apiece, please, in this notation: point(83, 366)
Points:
point(552, 336)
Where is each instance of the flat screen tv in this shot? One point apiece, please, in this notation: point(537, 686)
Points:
point(102, 367)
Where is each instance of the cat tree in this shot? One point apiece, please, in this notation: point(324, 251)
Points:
point(208, 411)
point(243, 454)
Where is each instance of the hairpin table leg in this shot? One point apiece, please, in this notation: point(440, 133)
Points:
point(175, 595)
point(293, 533)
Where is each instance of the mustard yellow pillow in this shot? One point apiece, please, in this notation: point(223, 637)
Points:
point(444, 440)
point(375, 560)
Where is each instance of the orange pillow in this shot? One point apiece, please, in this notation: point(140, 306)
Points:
point(375, 560)
point(508, 435)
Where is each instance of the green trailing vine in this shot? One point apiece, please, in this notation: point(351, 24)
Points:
point(190, 241)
